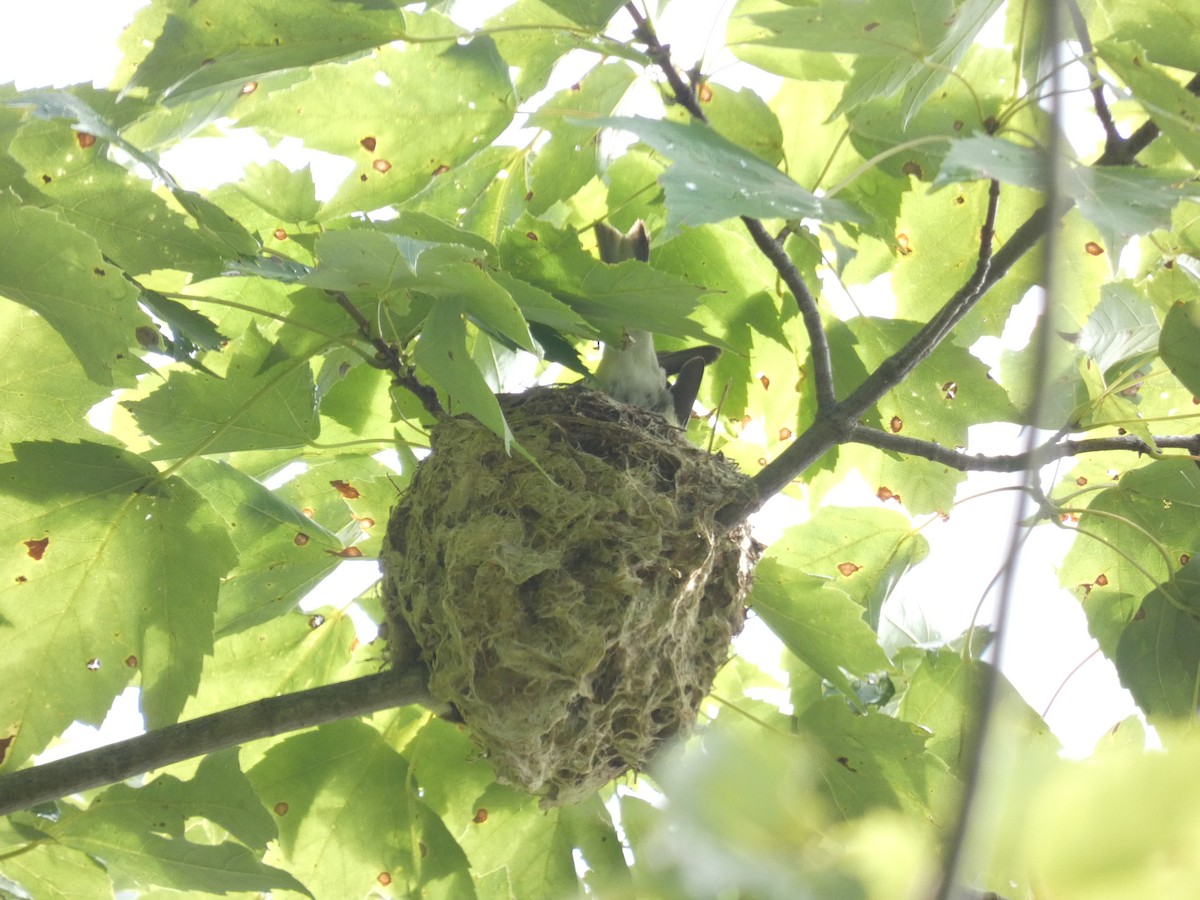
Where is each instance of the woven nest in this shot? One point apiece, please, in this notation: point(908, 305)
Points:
point(575, 616)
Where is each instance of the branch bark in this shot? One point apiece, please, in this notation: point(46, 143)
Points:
point(208, 734)
point(1018, 462)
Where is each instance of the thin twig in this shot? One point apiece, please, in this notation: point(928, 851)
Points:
point(387, 357)
point(974, 754)
point(1113, 142)
point(208, 734)
point(1018, 462)
point(772, 248)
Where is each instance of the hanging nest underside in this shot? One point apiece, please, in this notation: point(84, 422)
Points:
point(575, 616)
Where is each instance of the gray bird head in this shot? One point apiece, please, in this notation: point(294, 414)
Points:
point(631, 371)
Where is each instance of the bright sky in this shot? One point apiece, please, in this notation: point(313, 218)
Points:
point(60, 42)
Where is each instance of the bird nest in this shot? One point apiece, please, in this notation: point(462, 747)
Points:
point(574, 612)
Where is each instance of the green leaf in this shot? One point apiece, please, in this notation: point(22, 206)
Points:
point(1119, 201)
point(743, 118)
point(631, 295)
point(223, 233)
point(274, 188)
point(817, 622)
point(83, 297)
point(1132, 538)
point(210, 46)
point(874, 760)
point(111, 572)
point(404, 116)
point(903, 49)
point(140, 832)
point(947, 393)
point(1178, 342)
point(591, 14)
point(712, 179)
point(1158, 654)
point(189, 327)
point(1172, 107)
point(1122, 327)
point(52, 871)
point(569, 160)
point(862, 552)
point(442, 355)
point(43, 389)
point(354, 819)
point(256, 406)
point(135, 228)
point(943, 696)
point(282, 553)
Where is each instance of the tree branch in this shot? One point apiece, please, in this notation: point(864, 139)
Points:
point(388, 357)
point(208, 734)
point(772, 248)
point(1113, 142)
point(1017, 462)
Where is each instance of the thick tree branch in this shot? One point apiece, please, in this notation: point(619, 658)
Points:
point(208, 734)
point(1017, 462)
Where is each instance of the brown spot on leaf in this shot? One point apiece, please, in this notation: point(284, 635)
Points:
point(365, 521)
point(848, 568)
point(903, 245)
point(532, 235)
point(37, 549)
point(46, 179)
point(347, 553)
point(870, 26)
point(884, 494)
point(21, 579)
point(896, 425)
point(384, 878)
point(481, 815)
point(765, 382)
point(960, 200)
point(1091, 248)
point(5, 743)
point(301, 539)
point(1081, 480)
point(368, 144)
point(280, 234)
point(131, 661)
point(912, 167)
point(248, 88)
point(528, 196)
point(92, 665)
point(147, 336)
point(84, 139)
point(950, 390)
point(785, 434)
point(347, 490)
point(704, 93)
point(280, 808)
point(362, 177)
point(441, 170)
point(98, 272)
point(381, 165)
point(1183, 558)
point(316, 621)
point(1101, 580)
point(844, 762)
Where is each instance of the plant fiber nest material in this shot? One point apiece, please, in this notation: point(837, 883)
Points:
point(575, 616)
